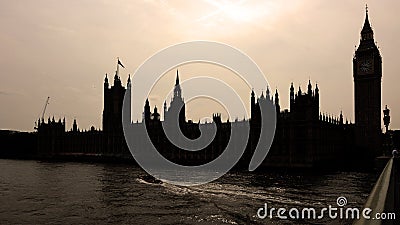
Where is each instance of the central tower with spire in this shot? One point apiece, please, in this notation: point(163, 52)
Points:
point(367, 74)
point(177, 88)
point(177, 105)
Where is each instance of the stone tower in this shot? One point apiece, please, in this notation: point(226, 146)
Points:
point(367, 74)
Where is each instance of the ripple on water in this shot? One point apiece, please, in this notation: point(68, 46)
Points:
point(69, 193)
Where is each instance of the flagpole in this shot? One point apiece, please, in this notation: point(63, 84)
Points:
point(117, 66)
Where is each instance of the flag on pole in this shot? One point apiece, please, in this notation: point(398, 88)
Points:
point(119, 63)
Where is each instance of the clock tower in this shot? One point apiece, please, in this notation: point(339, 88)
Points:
point(367, 74)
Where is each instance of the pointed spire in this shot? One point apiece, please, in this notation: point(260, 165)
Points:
point(268, 93)
point(177, 78)
point(75, 126)
point(146, 113)
point(367, 33)
point(276, 97)
point(165, 109)
point(177, 88)
point(252, 93)
point(309, 87)
point(341, 117)
point(128, 83)
point(291, 93)
point(366, 22)
point(262, 95)
point(106, 84)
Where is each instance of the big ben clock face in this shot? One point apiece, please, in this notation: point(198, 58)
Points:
point(365, 66)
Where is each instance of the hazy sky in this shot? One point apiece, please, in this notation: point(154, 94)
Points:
point(63, 49)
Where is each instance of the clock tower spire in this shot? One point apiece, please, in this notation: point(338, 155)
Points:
point(367, 33)
point(367, 74)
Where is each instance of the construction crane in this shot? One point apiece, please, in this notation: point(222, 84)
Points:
point(43, 112)
point(45, 107)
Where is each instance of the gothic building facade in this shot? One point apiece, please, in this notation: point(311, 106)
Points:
point(54, 141)
point(304, 137)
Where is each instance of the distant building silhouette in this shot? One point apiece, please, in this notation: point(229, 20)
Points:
point(304, 136)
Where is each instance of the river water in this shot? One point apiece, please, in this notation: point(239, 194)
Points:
point(35, 192)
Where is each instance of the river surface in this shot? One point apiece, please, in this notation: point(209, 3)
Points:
point(35, 192)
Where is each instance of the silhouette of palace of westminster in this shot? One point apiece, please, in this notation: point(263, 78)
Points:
point(303, 138)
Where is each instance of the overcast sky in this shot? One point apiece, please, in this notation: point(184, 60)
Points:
point(63, 49)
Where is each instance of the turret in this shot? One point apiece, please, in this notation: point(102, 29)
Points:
point(291, 97)
point(106, 84)
point(341, 118)
point(165, 109)
point(75, 126)
point(291, 92)
point(316, 94)
point(252, 104)
point(128, 84)
point(278, 107)
point(147, 112)
point(156, 115)
point(253, 98)
point(127, 101)
point(309, 90)
point(262, 96)
point(217, 118)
